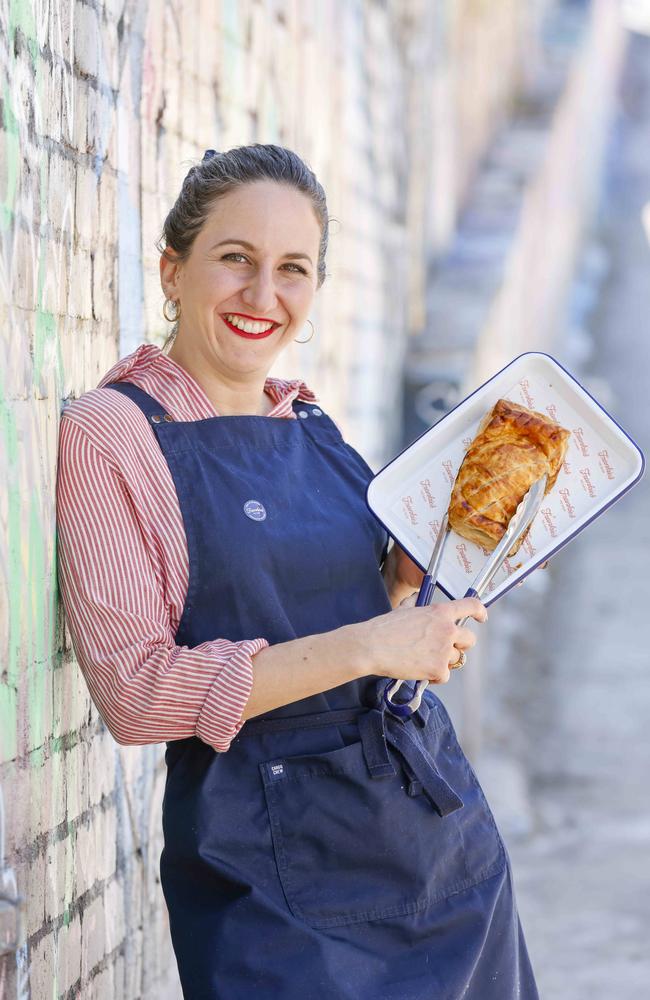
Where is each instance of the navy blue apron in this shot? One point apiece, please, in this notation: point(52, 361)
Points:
point(334, 851)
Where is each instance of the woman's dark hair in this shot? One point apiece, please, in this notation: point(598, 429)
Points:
point(219, 173)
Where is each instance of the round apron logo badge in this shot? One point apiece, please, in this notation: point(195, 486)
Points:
point(255, 510)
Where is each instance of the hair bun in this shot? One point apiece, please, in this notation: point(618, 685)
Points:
point(209, 153)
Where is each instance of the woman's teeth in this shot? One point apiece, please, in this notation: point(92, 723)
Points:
point(247, 325)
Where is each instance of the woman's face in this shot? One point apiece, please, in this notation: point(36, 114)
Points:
point(254, 262)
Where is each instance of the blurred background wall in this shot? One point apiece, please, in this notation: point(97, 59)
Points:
point(460, 143)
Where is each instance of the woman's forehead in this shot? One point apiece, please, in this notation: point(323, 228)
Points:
point(263, 210)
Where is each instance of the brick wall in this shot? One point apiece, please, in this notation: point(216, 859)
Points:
point(102, 106)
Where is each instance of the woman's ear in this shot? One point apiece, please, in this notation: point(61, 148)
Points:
point(170, 267)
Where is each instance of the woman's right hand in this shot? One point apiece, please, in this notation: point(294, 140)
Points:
point(420, 643)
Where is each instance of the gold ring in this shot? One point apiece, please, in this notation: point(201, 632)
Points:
point(460, 662)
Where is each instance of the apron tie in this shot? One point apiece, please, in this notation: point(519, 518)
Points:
point(421, 763)
point(373, 741)
point(378, 730)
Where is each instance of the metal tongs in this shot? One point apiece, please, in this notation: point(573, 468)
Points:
point(517, 526)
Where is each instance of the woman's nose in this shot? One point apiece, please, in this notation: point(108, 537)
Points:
point(260, 292)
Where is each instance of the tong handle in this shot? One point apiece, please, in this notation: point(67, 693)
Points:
point(405, 710)
point(427, 588)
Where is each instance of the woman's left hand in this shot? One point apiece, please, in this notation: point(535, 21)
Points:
point(406, 571)
point(401, 575)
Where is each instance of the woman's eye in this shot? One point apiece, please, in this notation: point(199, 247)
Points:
point(241, 256)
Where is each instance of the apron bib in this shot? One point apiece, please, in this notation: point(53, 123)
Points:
point(334, 851)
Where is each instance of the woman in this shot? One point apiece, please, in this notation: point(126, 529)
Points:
point(219, 564)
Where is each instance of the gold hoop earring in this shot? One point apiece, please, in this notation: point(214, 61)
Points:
point(177, 310)
point(296, 341)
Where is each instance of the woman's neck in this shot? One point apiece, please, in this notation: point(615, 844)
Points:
point(229, 399)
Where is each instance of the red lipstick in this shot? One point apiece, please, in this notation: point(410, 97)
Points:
point(256, 319)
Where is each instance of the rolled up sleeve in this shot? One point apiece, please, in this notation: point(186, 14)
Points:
point(146, 688)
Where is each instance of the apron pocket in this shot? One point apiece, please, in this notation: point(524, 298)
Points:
point(351, 848)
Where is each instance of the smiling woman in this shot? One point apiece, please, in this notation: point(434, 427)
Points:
point(229, 592)
point(258, 297)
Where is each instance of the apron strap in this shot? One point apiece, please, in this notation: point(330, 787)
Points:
point(149, 406)
point(373, 740)
point(438, 791)
point(284, 723)
point(379, 729)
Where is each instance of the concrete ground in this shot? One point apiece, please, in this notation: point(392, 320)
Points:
point(579, 837)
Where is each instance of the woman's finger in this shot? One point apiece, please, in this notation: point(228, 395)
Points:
point(469, 607)
point(464, 639)
point(457, 655)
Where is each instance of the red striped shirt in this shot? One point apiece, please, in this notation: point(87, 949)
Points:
point(123, 562)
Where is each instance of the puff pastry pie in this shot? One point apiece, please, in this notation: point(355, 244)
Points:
point(513, 447)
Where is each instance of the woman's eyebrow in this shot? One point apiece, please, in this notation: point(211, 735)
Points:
point(249, 246)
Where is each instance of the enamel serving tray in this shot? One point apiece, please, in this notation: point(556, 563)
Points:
point(410, 495)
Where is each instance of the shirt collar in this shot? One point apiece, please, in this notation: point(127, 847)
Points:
point(149, 364)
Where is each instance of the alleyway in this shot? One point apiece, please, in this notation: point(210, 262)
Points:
point(583, 872)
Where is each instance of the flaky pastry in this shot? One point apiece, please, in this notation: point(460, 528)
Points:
point(513, 447)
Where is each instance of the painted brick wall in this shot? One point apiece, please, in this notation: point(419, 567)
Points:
point(102, 107)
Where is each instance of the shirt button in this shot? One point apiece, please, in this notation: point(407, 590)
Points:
point(303, 413)
point(317, 412)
